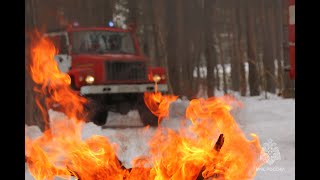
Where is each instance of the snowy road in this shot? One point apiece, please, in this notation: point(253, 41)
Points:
point(272, 120)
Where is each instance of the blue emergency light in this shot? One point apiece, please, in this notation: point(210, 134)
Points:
point(111, 24)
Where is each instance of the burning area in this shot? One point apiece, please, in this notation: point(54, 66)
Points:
point(208, 145)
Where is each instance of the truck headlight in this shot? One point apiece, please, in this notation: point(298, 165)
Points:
point(89, 79)
point(156, 78)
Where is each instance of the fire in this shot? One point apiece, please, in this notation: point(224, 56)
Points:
point(193, 149)
point(60, 150)
point(54, 85)
point(159, 104)
point(208, 145)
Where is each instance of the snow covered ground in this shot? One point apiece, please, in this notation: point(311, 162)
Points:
point(273, 120)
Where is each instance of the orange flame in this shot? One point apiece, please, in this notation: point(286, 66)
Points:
point(60, 150)
point(184, 154)
point(159, 104)
point(190, 151)
point(54, 83)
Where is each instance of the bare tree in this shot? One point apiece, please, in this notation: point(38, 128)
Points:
point(268, 61)
point(222, 63)
point(235, 65)
point(174, 67)
point(149, 45)
point(252, 50)
point(160, 28)
point(243, 80)
point(180, 54)
point(279, 37)
point(191, 43)
point(238, 75)
point(210, 52)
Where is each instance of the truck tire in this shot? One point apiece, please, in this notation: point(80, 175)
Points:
point(97, 113)
point(100, 118)
point(147, 117)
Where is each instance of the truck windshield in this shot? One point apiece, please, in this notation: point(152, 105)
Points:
point(99, 42)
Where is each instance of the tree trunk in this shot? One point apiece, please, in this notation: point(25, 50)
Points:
point(160, 31)
point(171, 45)
point(159, 19)
point(210, 56)
point(217, 77)
point(222, 63)
point(239, 61)
point(235, 65)
point(200, 85)
point(268, 61)
point(278, 43)
point(273, 34)
point(149, 39)
point(179, 51)
point(243, 81)
point(252, 50)
point(174, 44)
point(189, 45)
point(258, 30)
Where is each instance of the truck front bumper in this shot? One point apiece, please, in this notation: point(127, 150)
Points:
point(122, 88)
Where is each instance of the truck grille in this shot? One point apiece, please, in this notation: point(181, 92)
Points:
point(124, 71)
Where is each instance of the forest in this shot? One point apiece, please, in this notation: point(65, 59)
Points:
point(206, 46)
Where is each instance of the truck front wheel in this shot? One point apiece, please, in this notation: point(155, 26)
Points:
point(100, 118)
point(98, 114)
point(147, 117)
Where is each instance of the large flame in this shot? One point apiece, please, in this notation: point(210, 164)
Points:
point(54, 85)
point(191, 150)
point(189, 153)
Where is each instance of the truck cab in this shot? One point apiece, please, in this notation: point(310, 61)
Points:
point(107, 66)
